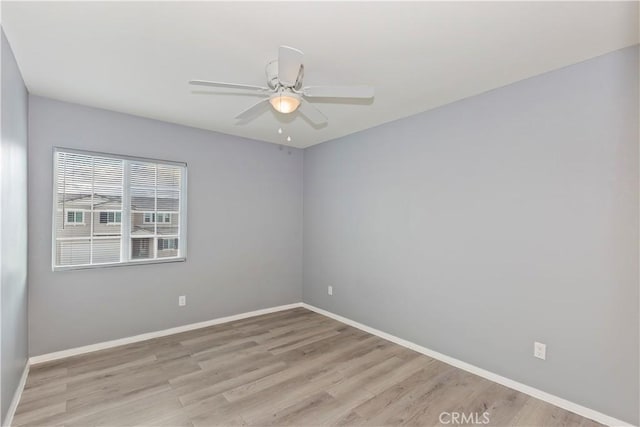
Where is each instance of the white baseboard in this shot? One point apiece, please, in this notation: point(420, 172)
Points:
point(34, 360)
point(531, 391)
point(8, 419)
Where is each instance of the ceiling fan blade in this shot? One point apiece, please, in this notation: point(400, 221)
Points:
point(338, 91)
point(312, 113)
point(227, 85)
point(254, 111)
point(289, 63)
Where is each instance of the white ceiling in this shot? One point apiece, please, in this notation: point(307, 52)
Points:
point(136, 57)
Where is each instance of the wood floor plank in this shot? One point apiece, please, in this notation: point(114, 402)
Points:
point(193, 393)
point(460, 387)
point(303, 368)
point(296, 414)
point(293, 367)
point(325, 412)
point(29, 416)
point(396, 393)
point(359, 380)
point(500, 403)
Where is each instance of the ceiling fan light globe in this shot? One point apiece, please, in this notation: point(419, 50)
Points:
point(284, 103)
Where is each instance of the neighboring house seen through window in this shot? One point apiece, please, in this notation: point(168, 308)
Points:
point(111, 209)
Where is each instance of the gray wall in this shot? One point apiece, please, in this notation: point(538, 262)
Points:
point(13, 228)
point(485, 225)
point(244, 231)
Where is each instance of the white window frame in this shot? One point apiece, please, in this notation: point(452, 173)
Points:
point(75, 212)
point(126, 255)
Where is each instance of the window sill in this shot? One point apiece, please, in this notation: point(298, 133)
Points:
point(118, 264)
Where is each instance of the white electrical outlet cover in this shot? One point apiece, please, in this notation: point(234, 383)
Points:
point(330, 290)
point(540, 350)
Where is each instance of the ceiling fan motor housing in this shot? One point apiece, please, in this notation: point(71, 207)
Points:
point(271, 70)
point(272, 74)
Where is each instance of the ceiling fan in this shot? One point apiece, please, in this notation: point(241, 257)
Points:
point(285, 92)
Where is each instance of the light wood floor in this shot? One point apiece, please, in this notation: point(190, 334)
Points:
point(289, 368)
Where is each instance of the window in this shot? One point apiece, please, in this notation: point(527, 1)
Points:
point(150, 217)
point(167, 244)
point(114, 210)
point(75, 217)
point(110, 218)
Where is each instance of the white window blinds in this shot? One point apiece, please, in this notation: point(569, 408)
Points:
point(112, 209)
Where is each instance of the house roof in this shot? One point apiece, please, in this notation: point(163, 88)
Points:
point(110, 202)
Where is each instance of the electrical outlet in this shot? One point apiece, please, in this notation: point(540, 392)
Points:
point(330, 290)
point(182, 300)
point(540, 350)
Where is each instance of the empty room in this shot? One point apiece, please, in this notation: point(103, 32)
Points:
point(314, 213)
